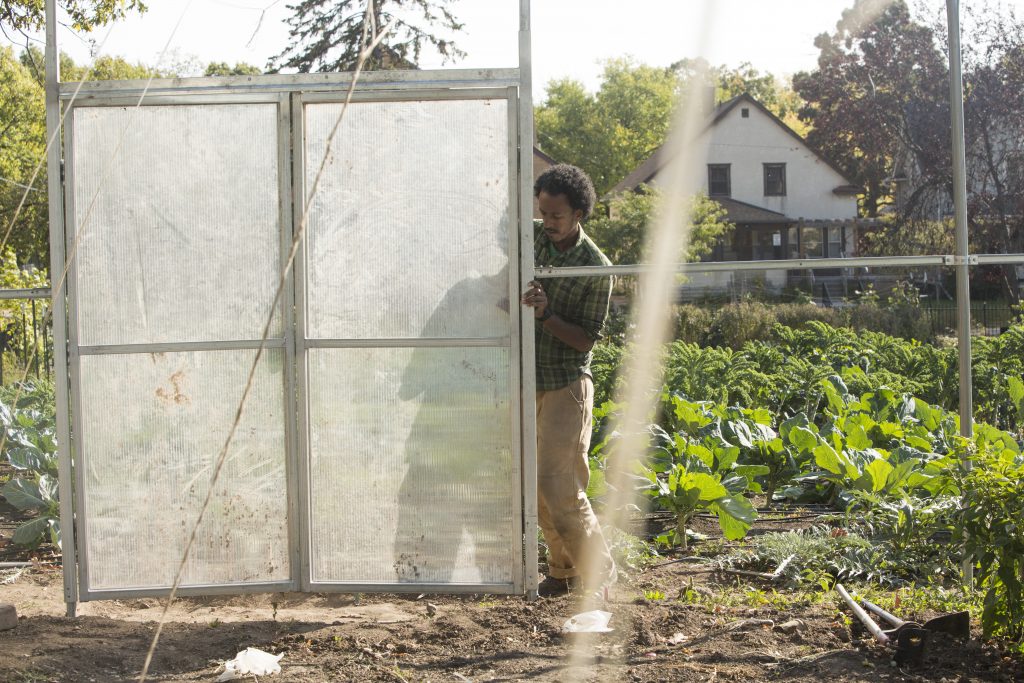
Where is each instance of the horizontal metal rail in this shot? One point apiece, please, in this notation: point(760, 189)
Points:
point(33, 293)
point(547, 272)
point(447, 78)
point(544, 272)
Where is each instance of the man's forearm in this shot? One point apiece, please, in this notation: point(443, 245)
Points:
point(567, 332)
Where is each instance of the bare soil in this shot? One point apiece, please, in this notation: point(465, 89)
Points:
point(473, 638)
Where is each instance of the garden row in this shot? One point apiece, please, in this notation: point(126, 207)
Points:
point(859, 421)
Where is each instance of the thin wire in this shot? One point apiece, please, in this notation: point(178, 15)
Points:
point(259, 23)
point(296, 241)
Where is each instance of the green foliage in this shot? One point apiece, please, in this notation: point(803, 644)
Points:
point(694, 467)
point(628, 551)
point(31, 449)
point(23, 122)
point(609, 133)
point(783, 369)
point(818, 554)
point(877, 91)
point(15, 314)
point(622, 233)
point(85, 15)
point(239, 69)
point(778, 97)
point(989, 526)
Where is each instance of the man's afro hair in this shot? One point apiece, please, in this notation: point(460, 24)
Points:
point(571, 181)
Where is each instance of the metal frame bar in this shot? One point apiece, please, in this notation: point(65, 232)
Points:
point(963, 272)
point(301, 360)
point(431, 94)
point(514, 344)
point(178, 347)
point(74, 354)
point(190, 590)
point(785, 264)
point(291, 427)
point(528, 415)
point(705, 266)
point(339, 81)
point(119, 98)
point(69, 555)
point(34, 292)
point(412, 342)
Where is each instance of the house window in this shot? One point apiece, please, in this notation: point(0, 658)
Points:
point(811, 244)
point(719, 183)
point(745, 112)
point(774, 180)
point(792, 243)
point(835, 242)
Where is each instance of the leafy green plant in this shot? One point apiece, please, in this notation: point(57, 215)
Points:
point(31, 449)
point(989, 527)
point(696, 469)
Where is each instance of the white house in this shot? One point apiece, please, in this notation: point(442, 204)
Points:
point(786, 200)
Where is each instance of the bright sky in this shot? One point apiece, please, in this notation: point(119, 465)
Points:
point(571, 38)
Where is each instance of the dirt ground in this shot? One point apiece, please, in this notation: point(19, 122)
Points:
point(472, 638)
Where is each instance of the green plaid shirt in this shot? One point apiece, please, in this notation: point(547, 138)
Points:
point(582, 301)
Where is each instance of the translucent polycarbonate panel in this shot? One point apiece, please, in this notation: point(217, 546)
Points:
point(176, 213)
point(409, 225)
point(411, 470)
point(153, 426)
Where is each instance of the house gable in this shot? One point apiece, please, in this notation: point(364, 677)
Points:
point(745, 136)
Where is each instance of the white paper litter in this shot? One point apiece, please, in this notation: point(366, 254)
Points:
point(251, 661)
point(595, 621)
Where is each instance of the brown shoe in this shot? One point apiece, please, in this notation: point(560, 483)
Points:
point(551, 587)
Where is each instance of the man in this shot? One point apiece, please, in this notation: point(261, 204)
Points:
point(569, 315)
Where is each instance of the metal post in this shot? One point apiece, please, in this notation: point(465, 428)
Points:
point(963, 292)
point(963, 287)
point(526, 274)
point(35, 337)
point(55, 190)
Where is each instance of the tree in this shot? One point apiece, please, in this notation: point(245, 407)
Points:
point(778, 97)
point(22, 145)
point(239, 69)
point(29, 15)
point(611, 132)
point(878, 103)
point(621, 234)
point(326, 35)
point(994, 132)
point(103, 68)
point(879, 91)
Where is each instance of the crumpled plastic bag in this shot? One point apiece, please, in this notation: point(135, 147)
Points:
point(595, 621)
point(251, 661)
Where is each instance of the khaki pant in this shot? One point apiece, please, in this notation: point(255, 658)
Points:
point(576, 546)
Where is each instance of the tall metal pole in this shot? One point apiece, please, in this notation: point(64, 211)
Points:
point(55, 190)
point(528, 383)
point(963, 287)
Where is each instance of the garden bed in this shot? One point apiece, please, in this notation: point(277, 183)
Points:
point(674, 621)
